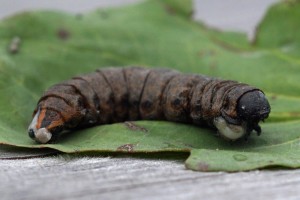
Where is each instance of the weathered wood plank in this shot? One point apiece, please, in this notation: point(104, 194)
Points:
point(66, 177)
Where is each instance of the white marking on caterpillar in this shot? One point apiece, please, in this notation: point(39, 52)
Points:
point(33, 123)
point(229, 131)
point(43, 135)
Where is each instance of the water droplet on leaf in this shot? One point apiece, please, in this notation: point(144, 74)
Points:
point(239, 157)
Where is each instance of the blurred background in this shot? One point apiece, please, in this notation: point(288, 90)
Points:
point(234, 15)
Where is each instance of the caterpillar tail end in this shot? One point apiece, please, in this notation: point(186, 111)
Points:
point(45, 126)
point(41, 135)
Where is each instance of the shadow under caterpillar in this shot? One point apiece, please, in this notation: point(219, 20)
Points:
point(112, 95)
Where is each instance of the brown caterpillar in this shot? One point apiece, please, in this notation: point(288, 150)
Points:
point(117, 94)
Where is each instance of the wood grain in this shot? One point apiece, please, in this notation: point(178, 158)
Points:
point(131, 177)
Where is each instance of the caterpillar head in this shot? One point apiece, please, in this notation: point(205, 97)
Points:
point(45, 125)
point(252, 108)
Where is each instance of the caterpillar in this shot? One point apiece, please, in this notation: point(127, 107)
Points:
point(114, 94)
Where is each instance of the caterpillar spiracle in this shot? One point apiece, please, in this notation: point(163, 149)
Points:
point(114, 94)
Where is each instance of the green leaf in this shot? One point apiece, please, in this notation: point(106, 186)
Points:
point(277, 147)
point(281, 21)
point(56, 46)
point(232, 161)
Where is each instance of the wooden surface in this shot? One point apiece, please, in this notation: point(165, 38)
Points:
point(131, 177)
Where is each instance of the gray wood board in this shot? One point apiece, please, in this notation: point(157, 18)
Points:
point(133, 177)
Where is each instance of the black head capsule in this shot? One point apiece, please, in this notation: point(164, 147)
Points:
point(253, 107)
